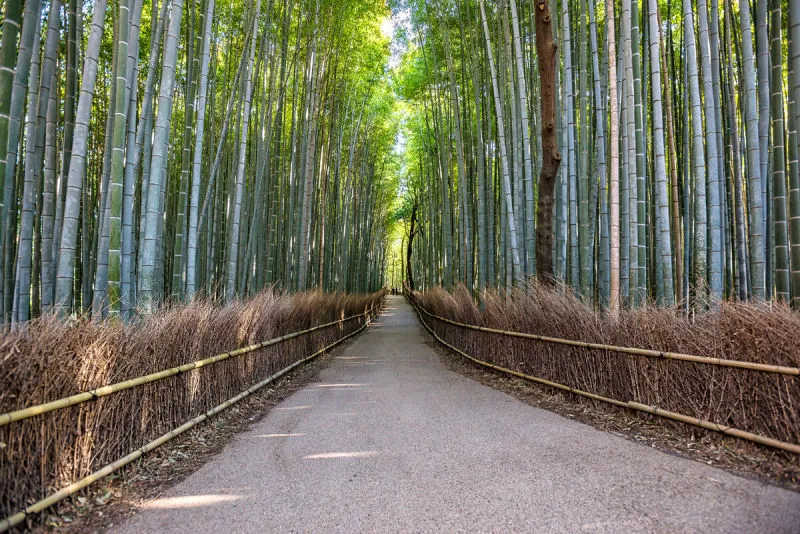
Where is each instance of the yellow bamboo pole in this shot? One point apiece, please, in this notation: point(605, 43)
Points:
point(63, 493)
point(721, 362)
point(742, 434)
point(78, 398)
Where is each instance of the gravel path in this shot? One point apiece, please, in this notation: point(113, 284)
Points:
point(390, 440)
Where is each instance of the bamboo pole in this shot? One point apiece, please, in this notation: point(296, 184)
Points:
point(721, 362)
point(103, 391)
point(654, 410)
point(73, 488)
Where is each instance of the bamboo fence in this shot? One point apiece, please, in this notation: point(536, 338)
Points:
point(788, 372)
point(57, 442)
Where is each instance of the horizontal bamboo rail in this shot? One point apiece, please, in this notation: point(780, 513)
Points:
point(721, 362)
point(94, 394)
point(73, 488)
point(654, 410)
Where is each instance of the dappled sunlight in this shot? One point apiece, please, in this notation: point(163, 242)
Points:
point(189, 501)
point(341, 385)
point(337, 390)
point(288, 408)
point(337, 455)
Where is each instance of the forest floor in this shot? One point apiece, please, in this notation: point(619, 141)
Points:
point(388, 438)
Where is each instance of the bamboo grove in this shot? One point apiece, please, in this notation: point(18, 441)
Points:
point(676, 124)
point(153, 151)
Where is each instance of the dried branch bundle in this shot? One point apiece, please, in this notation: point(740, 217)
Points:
point(762, 403)
point(49, 359)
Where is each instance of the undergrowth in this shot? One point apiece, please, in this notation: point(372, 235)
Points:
point(49, 359)
point(763, 403)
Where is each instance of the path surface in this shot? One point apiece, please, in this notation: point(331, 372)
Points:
point(388, 439)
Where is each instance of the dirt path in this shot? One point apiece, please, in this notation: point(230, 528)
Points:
point(388, 439)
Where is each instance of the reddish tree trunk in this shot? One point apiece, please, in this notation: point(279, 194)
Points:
point(551, 159)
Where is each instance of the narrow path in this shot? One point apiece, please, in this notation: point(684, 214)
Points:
point(389, 439)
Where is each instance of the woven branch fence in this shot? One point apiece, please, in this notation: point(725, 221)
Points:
point(50, 360)
point(764, 401)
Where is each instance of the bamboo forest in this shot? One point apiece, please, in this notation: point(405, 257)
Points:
point(664, 142)
point(637, 152)
point(399, 266)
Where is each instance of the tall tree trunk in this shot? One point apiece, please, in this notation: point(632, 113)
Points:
point(526, 141)
point(233, 251)
point(779, 217)
point(613, 161)
point(20, 311)
point(763, 78)
point(49, 202)
point(600, 168)
point(794, 177)
point(191, 257)
point(33, 162)
point(462, 170)
point(662, 199)
point(572, 165)
point(148, 293)
point(551, 159)
point(677, 242)
point(480, 149)
point(412, 232)
point(128, 29)
point(8, 65)
point(715, 272)
point(512, 230)
point(77, 165)
point(754, 176)
point(698, 156)
point(30, 28)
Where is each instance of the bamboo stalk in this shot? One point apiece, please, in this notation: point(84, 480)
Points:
point(752, 366)
point(103, 391)
point(73, 488)
point(654, 410)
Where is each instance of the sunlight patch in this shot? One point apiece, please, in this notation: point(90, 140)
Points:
point(189, 501)
point(333, 455)
point(340, 385)
point(387, 28)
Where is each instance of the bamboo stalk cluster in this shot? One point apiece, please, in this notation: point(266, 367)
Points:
point(677, 147)
point(151, 150)
point(51, 359)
